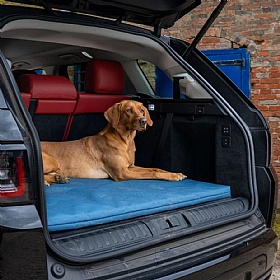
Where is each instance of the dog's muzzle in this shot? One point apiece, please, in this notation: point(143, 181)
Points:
point(143, 122)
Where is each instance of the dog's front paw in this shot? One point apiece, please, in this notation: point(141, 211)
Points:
point(178, 177)
point(47, 183)
point(61, 179)
point(181, 176)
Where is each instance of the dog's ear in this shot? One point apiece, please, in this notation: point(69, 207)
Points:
point(112, 115)
point(147, 116)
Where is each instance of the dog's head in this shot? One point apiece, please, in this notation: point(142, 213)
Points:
point(131, 115)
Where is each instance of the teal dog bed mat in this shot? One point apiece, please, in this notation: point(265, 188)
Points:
point(88, 202)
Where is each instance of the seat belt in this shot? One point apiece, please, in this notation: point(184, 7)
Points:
point(32, 106)
point(165, 129)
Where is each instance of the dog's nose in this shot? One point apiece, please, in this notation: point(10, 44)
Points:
point(143, 121)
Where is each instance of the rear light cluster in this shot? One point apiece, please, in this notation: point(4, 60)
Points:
point(12, 174)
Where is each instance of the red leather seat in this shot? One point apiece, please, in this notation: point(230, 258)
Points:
point(53, 100)
point(26, 98)
point(104, 86)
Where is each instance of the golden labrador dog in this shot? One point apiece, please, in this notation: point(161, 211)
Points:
point(110, 153)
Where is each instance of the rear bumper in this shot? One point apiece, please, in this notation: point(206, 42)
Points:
point(253, 260)
point(22, 244)
point(23, 255)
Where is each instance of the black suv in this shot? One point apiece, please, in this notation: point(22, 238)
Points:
point(62, 65)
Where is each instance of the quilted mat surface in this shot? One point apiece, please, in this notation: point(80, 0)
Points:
point(87, 202)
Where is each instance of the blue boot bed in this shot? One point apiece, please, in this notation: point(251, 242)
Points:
point(87, 202)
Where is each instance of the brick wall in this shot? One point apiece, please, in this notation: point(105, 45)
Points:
point(254, 25)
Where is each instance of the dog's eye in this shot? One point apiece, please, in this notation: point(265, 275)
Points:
point(142, 111)
point(129, 111)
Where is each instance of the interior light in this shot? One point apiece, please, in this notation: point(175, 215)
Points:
point(87, 55)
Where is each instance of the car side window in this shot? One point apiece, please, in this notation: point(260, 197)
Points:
point(76, 74)
point(159, 81)
point(149, 71)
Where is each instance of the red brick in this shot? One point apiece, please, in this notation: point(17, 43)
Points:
point(259, 69)
point(265, 16)
point(263, 53)
point(274, 107)
point(275, 75)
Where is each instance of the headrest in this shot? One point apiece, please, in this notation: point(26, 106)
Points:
point(47, 86)
point(104, 76)
point(19, 72)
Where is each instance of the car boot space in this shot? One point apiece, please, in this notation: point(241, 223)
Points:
point(107, 216)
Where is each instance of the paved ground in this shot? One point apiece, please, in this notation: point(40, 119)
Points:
point(276, 271)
